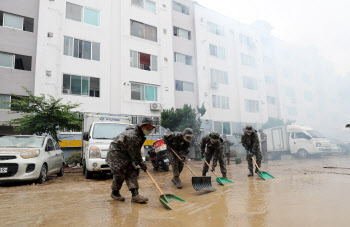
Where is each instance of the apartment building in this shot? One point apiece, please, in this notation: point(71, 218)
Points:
point(18, 42)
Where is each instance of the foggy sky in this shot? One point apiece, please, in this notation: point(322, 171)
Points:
point(324, 24)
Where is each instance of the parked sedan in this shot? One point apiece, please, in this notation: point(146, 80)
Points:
point(29, 158)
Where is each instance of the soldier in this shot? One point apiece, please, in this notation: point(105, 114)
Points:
point(250, 141)
point(214, 145)
point(180, 143)
point(226, 144)
point(124, 154)
point(263, 141)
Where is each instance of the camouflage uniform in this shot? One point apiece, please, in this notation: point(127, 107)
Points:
point(226, 154)
point(251, 143)
point(124, 154)
point(263, 136)
point(213, 150)
point(176, 142)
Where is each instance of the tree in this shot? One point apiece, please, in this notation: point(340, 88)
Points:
point(275, 122)
point(41, 115)
point(178, 120)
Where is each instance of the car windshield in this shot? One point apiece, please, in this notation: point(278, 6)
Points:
point(107, 131)
point(22, 141)
point(315, 134)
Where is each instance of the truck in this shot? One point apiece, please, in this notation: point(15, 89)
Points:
point(97, 134)
point(296, 140)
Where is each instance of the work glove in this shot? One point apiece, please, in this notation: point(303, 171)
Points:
point(143, 166)
point(133, 163)
point(202, 154)
point(183, 158)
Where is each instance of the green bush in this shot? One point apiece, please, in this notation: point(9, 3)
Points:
point(74, 157)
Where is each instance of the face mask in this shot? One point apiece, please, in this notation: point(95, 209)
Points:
point(212, 141)
point(147, 132)
point(187, 139)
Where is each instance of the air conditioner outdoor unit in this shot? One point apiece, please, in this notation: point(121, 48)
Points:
point(214, 84)
point(155, 106)
point(66, 91)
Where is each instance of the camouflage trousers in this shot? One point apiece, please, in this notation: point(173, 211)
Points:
point(177, 166)
point(217, 156)
point(128, 174)
point(225, 156)
point(250, 161)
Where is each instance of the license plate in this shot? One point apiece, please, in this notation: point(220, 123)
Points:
point(3, 170)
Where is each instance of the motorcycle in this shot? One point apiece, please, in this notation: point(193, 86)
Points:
point(158, 156)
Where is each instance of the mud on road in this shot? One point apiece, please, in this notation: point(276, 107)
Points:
point(303, 193)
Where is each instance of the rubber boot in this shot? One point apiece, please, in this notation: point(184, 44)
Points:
point(204, 174)
point(179, 185)
point(117, 196)
point(256, 170)
point(136, 197)
point(174, 181)
point(224, 175)
point(250, 173)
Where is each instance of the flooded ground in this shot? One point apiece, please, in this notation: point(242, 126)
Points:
point(303, 193)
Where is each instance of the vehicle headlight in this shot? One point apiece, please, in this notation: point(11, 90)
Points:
point(95, 152)
point(30, 154)
point(318, 144)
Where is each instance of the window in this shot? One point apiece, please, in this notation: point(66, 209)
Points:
point(81, 85)
point(91, 17)
point(217, 51)
point(143, 31)
point(6, 60)
point(271, 100)
point(184, 86)
point(222, 127)
point(146, 4)
point(182, 33)
point(81, 49)
point(267, 60)
point(251, 106)
point(301, 135)
point(82, 14)
point(143, 61)
point(269, 80)
point(218, 76)
point(181, 8)
point(3, 99)
point(247, 60)
point(143, 92)
point(16, 61)
point(16, 21)
point(215, 29)
point(250, 83)
point(246, 40)
point(222, 102)
point(185, 59)
point(292, 111)
point(308, 96)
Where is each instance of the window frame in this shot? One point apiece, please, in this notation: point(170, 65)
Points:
point(144, 30)
point(81, 85)
point(178, 32)
point(247, 80)
point(247, 103)
point(182, 8)
point(187, 57)
point(215, 73)
point(83, 41)
point(13, 61)
point(11, 14)
point(153, 64)
point(217, 51)
point(183, 82)
point(144, 5)
point(144, 92)
point(82, 16)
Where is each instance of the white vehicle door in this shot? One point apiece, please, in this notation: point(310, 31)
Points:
point(59, 156)
point(301, 141)
point(51, 156)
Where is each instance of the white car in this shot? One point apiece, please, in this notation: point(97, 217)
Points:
point(29, 158)
point(336, 148)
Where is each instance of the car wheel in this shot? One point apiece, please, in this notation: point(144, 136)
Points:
point(61, 172)
point(302, 153)
point(43, 174)
point(88, 174)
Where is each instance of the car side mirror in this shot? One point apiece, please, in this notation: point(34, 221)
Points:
point(86, 136)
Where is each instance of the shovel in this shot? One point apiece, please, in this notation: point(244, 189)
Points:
point(263, 175)
point(198, 183)
point(164, 198)
point(220, 180)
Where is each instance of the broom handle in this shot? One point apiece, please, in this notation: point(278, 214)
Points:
point(160, 190)
point(210, 168)
point(182, 161)
point(255, 162)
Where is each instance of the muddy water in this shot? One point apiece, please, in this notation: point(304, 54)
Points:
point(302, 194)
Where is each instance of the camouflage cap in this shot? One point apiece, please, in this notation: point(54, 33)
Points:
point(249, 128)
point(147, 121)
point(188, 132)
point(214, 136)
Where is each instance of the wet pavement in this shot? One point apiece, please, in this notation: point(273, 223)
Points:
point(303, 193)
